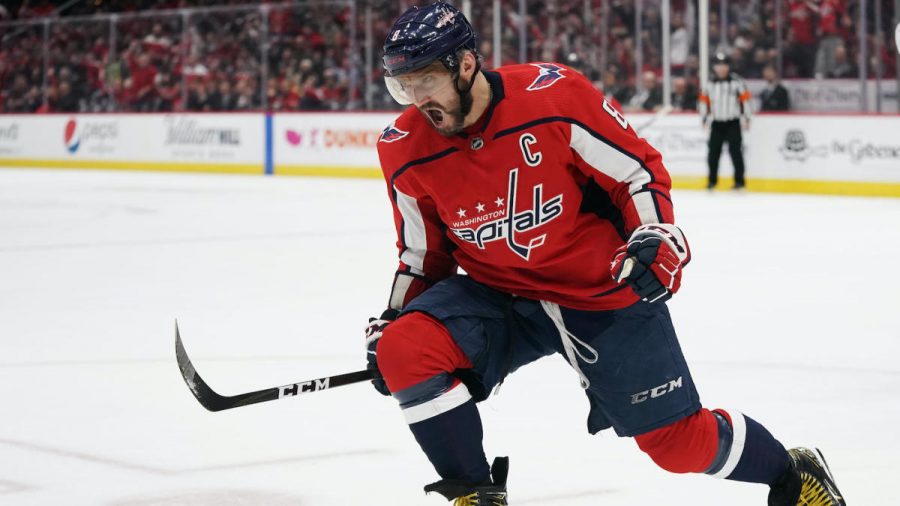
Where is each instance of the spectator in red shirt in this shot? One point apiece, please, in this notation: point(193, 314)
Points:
point(143, 86)
point(156, 41)
point(333, 90)
point(37, 9)
point(801, 36)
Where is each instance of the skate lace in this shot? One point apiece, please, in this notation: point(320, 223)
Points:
point(813, 492)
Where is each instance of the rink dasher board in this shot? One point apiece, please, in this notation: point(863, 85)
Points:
point(220, 143)
point(797, 153)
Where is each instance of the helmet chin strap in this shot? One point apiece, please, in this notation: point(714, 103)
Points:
point(451, 61)
point(465, 95)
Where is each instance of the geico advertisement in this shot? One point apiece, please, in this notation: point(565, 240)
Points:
point(118, 137)
point(849, 148)
point(336, 140)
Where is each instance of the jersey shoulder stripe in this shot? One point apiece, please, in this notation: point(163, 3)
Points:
point(421, 161)
point(585, 127)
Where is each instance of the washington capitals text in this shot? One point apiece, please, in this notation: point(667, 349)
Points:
point(507, 227)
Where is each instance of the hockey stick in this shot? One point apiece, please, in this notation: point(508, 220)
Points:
point(212, 401)
point(663, 111)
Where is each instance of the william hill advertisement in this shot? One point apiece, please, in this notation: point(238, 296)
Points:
point(205, 142)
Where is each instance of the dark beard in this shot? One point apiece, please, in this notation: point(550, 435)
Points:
point(454, 119)
point(465, 99)
point(459, 117)
point(460, 113)
point(455, 114)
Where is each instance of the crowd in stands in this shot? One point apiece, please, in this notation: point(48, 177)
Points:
point(167, 60)
point(233, 55)
point(819, 40)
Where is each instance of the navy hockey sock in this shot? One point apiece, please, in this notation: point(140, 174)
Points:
point(452, 442)
point(747, 451)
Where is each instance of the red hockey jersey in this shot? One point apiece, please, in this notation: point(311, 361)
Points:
point(531, 200)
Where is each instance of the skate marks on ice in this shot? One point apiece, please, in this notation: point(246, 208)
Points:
point(223, 497)
point(308, 234)
point(162, 471)
point(167, 361)
point(83, 457)
point(316, 459)
point(12, 487)
point(556, 499)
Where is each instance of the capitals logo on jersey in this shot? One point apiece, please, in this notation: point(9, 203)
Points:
point(507, 227)
point(547, 77)
point(391, 134)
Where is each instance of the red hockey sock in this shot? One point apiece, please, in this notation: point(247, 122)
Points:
point(686, 446)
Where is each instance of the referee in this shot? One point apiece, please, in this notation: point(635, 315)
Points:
point(725, 104)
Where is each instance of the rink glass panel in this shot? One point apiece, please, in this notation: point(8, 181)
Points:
point(326, 55)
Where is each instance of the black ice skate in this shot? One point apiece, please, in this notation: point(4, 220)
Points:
point(808, 482)
point(466, 494)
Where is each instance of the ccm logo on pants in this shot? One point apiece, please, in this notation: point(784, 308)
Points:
point(653, 393)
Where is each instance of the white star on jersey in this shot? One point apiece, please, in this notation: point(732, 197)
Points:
point(499, 202)
point(479, 207)
point(461, 212)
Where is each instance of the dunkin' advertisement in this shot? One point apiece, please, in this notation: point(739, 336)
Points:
point(316, 142)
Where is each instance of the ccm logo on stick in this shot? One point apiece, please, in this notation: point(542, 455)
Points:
point(653, 393)
point(302, 388)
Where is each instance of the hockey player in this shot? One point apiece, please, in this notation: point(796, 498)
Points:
point(560, 215)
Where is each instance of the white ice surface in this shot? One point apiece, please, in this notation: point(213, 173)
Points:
point(789, 312)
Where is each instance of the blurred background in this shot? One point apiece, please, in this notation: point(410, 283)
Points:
point(201, 55)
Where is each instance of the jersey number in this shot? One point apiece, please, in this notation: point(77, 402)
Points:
point(615, 114)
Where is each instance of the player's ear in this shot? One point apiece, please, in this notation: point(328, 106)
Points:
point(467, 64)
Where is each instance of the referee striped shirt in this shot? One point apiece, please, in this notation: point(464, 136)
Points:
point(725, 99)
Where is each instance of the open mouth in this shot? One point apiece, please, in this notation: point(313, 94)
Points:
point(436, 116)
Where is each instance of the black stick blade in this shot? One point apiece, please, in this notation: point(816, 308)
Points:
point(204, 394)
point(212, 401)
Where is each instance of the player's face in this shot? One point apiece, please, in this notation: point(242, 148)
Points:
point(432, 91)
point(438, 100)
point(721, 70)
point(415, 87)
point(444, 111)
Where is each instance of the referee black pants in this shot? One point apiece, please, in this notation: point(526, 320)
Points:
point(730, 132)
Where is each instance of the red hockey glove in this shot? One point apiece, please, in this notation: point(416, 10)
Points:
point(373, 333)
point(651, 261)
